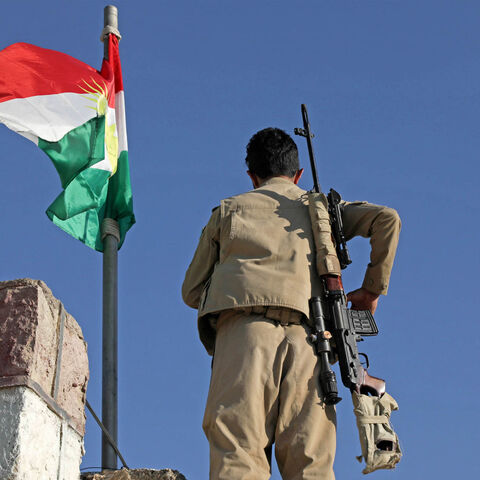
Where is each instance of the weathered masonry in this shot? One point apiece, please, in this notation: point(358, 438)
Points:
point(43, 381)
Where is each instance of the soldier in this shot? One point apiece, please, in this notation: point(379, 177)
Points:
point(251, 278)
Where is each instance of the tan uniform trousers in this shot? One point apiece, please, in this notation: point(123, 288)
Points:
point(264, 390)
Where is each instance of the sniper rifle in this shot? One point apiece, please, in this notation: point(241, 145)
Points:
point(330, 316)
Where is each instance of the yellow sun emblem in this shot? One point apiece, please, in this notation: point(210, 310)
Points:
point(99, 96)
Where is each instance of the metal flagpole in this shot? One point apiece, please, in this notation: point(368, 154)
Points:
point(111, 237)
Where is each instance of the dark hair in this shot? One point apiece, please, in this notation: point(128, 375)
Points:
point(272, 152)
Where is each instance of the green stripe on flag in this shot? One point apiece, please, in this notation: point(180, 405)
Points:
point(78, 149)
point(80, 208)
point(120, 201)
point(89, 194)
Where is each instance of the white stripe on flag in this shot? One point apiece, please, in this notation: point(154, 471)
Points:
point(48, 116)
point(121, 122)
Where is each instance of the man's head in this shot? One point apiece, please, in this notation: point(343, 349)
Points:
point(272, 153)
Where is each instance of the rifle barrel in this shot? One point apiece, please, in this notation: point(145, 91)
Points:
point(309, 136)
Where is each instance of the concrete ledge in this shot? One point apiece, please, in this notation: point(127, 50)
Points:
point(135, 474)
point(35, 443)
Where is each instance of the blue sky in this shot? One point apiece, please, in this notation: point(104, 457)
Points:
point(393, 91)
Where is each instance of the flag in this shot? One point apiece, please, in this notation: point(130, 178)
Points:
point(76, 115)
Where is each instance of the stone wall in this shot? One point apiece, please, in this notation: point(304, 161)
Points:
point(135, 474)
point(43, 381)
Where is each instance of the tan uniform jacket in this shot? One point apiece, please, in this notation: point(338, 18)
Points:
point(257, 249)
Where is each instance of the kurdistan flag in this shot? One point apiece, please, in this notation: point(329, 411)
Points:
point(76, 115)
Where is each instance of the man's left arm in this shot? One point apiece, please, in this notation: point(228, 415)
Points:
point(203, 263)
point(382, 225)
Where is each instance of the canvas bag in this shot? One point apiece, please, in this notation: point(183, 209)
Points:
point(379, 442)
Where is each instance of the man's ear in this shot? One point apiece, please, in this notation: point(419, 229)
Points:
point(254, 178)
point(298, 176)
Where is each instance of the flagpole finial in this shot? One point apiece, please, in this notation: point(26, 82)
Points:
point(110, 23)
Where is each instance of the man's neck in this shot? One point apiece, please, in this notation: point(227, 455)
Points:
point(262, 181)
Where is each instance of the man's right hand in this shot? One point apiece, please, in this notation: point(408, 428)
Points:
point(362, 299)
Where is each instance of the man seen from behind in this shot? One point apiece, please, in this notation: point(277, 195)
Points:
point(251, 278)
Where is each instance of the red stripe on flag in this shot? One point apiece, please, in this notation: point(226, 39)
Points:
point(27, 70)
point(112, 66)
